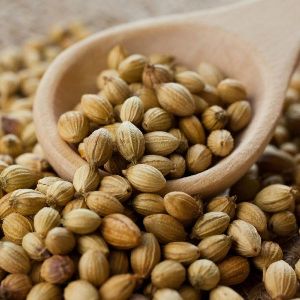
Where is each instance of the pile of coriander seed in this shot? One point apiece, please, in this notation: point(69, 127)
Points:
point(116, 237)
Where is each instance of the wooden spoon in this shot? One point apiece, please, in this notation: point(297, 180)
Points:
point(256, 42)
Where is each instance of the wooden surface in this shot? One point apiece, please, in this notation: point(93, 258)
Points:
point(248, 57)
point(20, 19)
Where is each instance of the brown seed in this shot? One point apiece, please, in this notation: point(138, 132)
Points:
point(281, 280)
point(192, 129)
point(112, 129)
point(234, 270)
point(119, 231)
point(13, 258)
point(148, 204)
point(231, 90)
point(148, 97)
point(103, 203)
point(160, 143)
point(198, 158)
point(115, 56)
point(182, 103)
point(86, 179)
point(179, 164)
point(183, 252)
point(116, 90)
point(165, 228)
point(191, 80)
point(118, 287)
point(11, 145)
point(211, 223)
point(210, 95)
point(93, 242)
point(201, 104)
point(73, 126)
point(33, 162)
point(130, 142)
point(283, 223)
point(118, 262)
point(156, 74)
point(80, 289)
point(145, 178)
point(132, 67)
point(98, 147)
point(97, 109)
point(116, 164)
point(45, 291)
point(183, 142)
point(57, 269)
point(60, 193)
point(181, 206)
point(157, 119)
point(210, 73)
point(187, 292)
point(146, 256)
point(215, 247)
point(34, 246)
point(161, 58)
point(239, 113)
point(203, 274)
point(81, 221)
point(5, 207)
point(220, 142)
point(74, 204)
point(161, 163)
point(168, 274)
point(214, 117)
point(60, 241)
point(93, 267)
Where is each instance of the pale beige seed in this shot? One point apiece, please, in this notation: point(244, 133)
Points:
point(179, 166)
point(183, 252)
point(60, 193)
point(118, 287)
point(220, 142)
point(275, 198)
point(192, 129)
point(283, 223)
point(198, 158)
point(215, 247)
point(210, 73)
point(86, 179)
point(155, 74)
point(92, 241)
point(146, 256)
point(97, 109)
point(118, 262)
point(103, 203)
point(270, 252)
point(13, 258)
point(60, 240)
point(168, 274)
point(73, 126)
point(44, 183)
point(224, 204)
point(165, 228)
point(135, 86)
point(45, 291)
point(73, 204)
point(246, 238)
point(93, 267)
point(131, 68)
point(112, 129)
point(183, 142)
point(157, 119)
point(148, 204)
point(161, 163)
point(115, 56)
point(102, 78)
point(210, 95)
point(148, 97)
point(33, 162)
point(281, 280)
point(214, 117)
point(132, 110)
point(182, 206)
point(17, 177)
point(81, 221)
point(11, 145)
point(116, 90)
point(161, 58)
point(145, 178)
point(34, 246)
point(120, 231)
point(176, 99)
point(130, 142)
point(252, 214)
point(209, 224)
point(98, 147)
point(191, 80)
point(239, 114)
point(26, 201)
point(80, 289)
point(160, 143)
point(203, 274)
point(117, 186)
point(15, 227)
point(187, 292)
point(231, 90)
point(166, 294)
point(224, 293)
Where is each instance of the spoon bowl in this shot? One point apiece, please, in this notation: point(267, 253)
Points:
point(202, 36)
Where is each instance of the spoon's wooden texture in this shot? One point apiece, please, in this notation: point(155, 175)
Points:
point(256, 42)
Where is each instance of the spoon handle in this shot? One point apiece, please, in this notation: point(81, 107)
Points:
point(272, 26)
